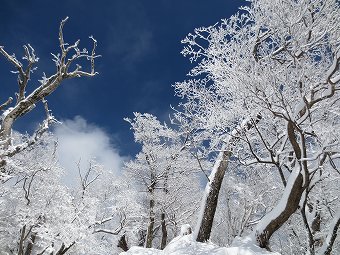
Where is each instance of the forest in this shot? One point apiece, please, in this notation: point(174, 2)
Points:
point(251, 154)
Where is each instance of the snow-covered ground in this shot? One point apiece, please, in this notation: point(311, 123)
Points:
point(185, 245)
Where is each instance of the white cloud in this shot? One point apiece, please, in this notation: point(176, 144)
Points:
point(79, 140)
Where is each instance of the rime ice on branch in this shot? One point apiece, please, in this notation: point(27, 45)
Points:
point(67, 67)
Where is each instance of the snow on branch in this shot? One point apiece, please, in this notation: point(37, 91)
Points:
point(326, 249)
point(67, 63)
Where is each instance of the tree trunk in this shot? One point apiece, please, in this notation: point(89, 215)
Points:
point(122, 243)
point(288, 204)
point(311, 240)
point(292, 193)
point(63, 249)
point(209, 203)
point(164, 231)
point(149, 235)
point(5, 132)
point(21, 241)
point(327, 247)
point(29, 247)
point(141, 237)
point(212, 189)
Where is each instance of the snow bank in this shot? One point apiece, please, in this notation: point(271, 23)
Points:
point(142, 251)
point(246, 246)
point(185, 245)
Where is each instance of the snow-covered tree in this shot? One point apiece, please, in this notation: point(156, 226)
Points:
point(36, 210)
point(165, 173)
point(266, 90)
point(67, 66)
point(41, 215)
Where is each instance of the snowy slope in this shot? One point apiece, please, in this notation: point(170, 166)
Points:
point(184, 245)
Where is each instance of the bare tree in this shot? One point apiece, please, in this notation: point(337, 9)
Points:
point(66, 67)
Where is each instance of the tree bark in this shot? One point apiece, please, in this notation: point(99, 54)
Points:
point(212, 189)
point(288, 204)
point(164, 231)
point(29, 247)
point(311, 240)
point(291, 196)
point(141, 237)
point(122, 243)
point(63, 249)
point(327, 247)
point(21, 241)
point(149, 235)
point(211, 197)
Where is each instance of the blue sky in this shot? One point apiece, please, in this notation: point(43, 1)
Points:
point(139, 41)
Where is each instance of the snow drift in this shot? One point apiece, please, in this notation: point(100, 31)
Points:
point(185, 245)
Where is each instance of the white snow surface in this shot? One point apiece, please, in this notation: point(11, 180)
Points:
point(185, 229)
point(185, 245)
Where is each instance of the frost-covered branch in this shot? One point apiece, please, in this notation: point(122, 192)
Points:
point(326, 249)
point(26, 103)
point(122, 224)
